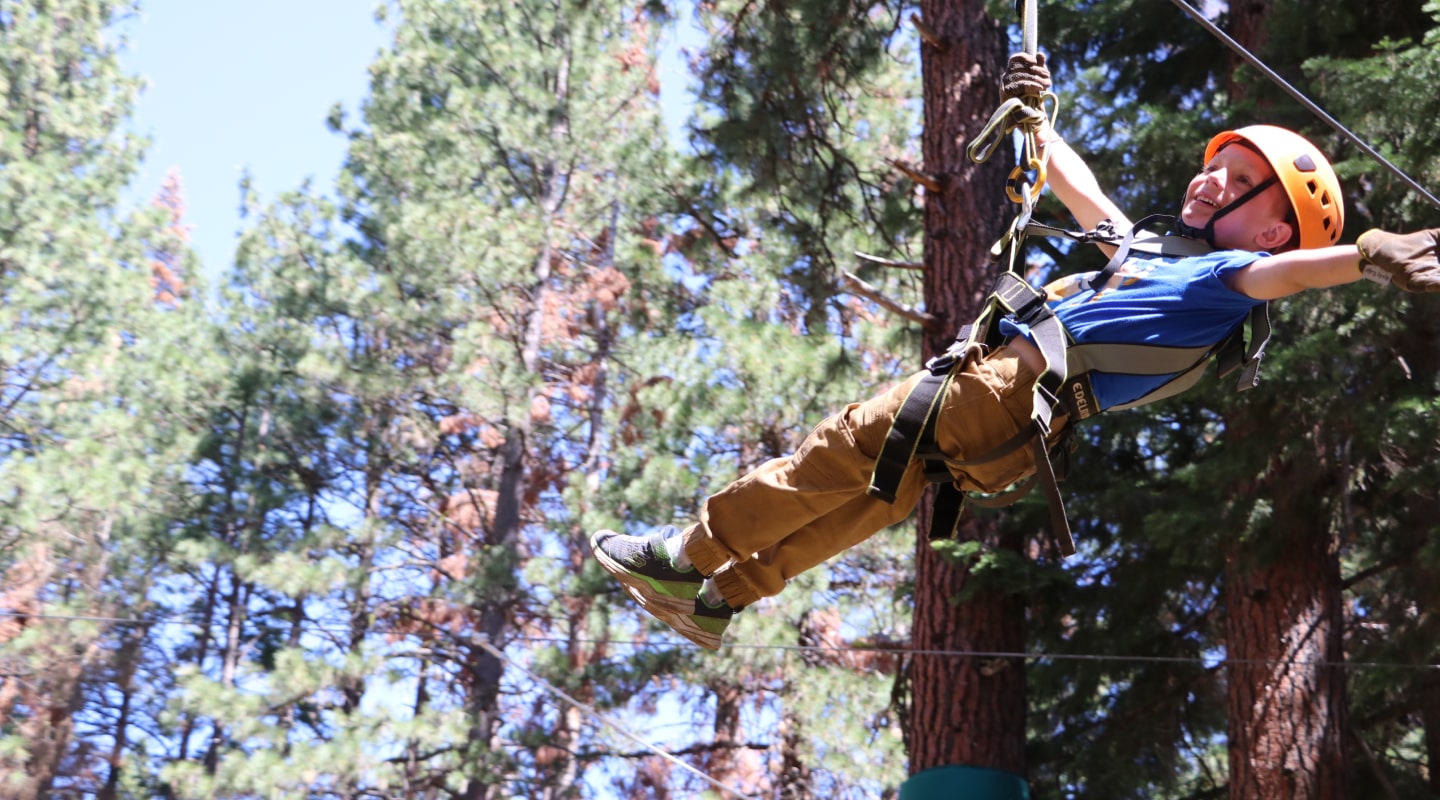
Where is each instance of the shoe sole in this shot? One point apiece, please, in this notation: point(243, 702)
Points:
point(680, 623)
point(687, 628)
point(638, 586)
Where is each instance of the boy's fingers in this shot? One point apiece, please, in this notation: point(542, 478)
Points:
point(1025, 76)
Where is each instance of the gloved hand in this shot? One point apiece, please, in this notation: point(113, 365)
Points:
point(1411, 260)
point(1025, 76)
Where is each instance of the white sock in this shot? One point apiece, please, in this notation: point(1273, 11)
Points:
point(675, 548)
point(710, 594)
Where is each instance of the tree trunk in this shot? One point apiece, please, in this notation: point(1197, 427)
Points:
point(127, 659)
point(1287, 714)
point(964, 711)
point(485, 669)
point(1246, 24)
point(724, 763)
point(1429, 703)
point(796, 781)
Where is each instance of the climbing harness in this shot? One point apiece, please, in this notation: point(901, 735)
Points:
point(1062, 388)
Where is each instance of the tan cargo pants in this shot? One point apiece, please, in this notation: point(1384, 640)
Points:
point(795, 512)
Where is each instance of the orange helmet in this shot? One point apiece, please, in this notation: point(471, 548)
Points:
point(1303, 171)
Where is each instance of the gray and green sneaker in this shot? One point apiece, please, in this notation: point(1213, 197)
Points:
point(642, 563)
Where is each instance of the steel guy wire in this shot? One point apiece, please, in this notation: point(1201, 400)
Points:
point(545, 685)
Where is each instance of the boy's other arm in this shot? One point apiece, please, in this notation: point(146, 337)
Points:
point(1273, 277)
point(1411, 261)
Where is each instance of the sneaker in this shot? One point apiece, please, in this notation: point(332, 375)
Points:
point(642, 563)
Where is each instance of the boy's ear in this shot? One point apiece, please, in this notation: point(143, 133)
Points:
point(1275, 236)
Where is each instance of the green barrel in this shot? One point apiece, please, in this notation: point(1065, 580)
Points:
point(965, 783)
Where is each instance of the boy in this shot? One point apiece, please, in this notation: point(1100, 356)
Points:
point(1269, 206)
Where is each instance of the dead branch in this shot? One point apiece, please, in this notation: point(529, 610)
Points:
point(927, 33)
point(874, 295)
point(692, 750)
point(886, 262)
point(930, 182)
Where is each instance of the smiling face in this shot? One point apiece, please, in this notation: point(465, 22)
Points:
point(1260, 224)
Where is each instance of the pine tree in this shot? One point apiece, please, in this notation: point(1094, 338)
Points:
point(423, 409)
point(98, 380)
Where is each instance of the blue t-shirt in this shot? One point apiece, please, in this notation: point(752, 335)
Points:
point(1167, 300)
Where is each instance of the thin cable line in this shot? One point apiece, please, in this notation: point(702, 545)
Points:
point(1303, 100)
point(92, 618)
point(1029, 655)
point(484, 643)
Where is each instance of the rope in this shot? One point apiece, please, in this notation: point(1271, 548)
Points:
point(484, 644)
point(1028, 25)
point(1303, 100)
point(1026, 114)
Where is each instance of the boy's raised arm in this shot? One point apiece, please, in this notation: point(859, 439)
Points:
point(1070, 178)
point(1067, 173)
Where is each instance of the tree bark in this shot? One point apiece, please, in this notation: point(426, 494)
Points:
point(1246, 24)
point(1286, 700)
point(1284, 622)
point(964, 711)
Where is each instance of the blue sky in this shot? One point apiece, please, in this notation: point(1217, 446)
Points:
point(237, 85)
point(245, 85)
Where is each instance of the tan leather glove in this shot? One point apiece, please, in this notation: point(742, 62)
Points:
point(1025, 76)
point(1410, 260)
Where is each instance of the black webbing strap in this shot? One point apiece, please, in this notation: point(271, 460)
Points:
point(1122, 250)
point(1059, 522)
point(912, 436)
point(1238, 355)
point(913, 425)
point(950, 501)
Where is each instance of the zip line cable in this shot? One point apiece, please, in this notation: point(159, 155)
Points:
point(1303, 100)
point(1029, 655)
point(484, 644)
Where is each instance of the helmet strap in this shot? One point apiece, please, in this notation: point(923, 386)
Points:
point(1208, 232)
